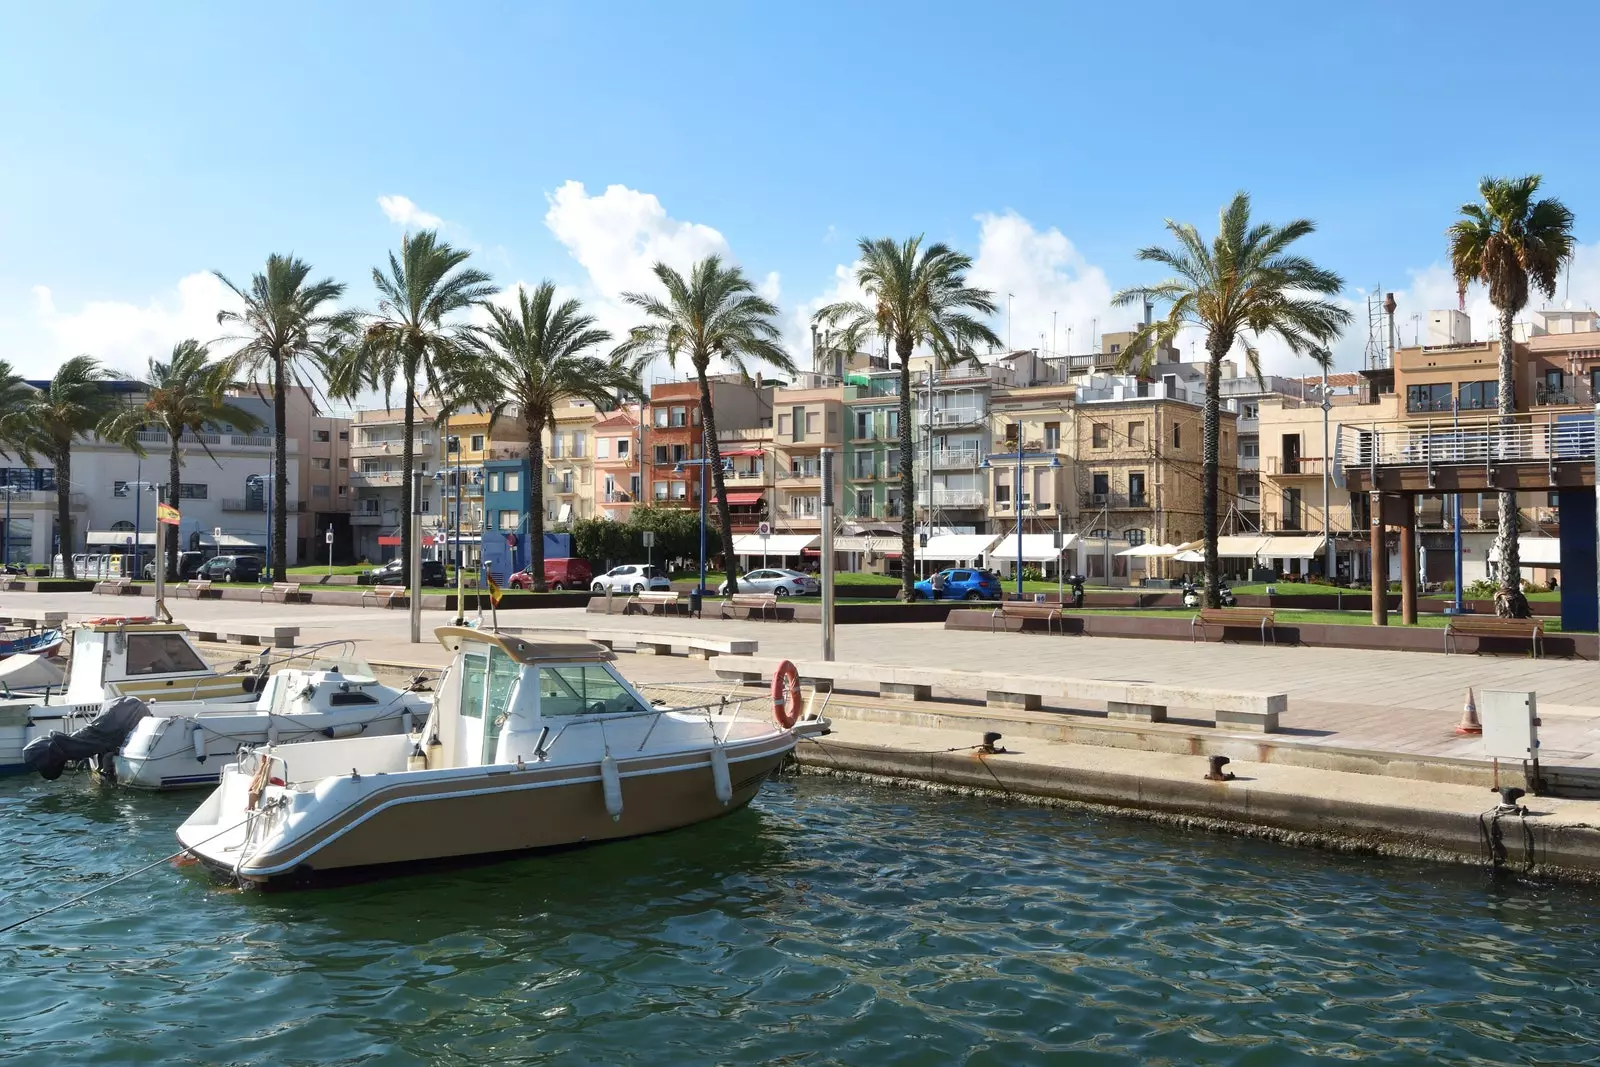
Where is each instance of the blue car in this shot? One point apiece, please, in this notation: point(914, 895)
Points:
point(961, 583)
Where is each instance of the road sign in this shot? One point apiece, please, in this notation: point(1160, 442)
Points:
point(327, 538)
point(764, 529)
point(649, 538)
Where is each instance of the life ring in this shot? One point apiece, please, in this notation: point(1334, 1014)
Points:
point(122, 620)
point(786, 695)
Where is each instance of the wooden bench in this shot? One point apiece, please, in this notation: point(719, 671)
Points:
point(390, 596)
point(1222, 618)
point(1019, 609)
point(115, 587)
point(199, 589)
point(282, 592)
point(656, 603)
point(752, 603)
point(1530, 630)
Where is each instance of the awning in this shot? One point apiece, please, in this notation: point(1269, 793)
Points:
point(957, 546)
point(775, 545)
point(229, 541)
point(1293, 547)
point(119, 538)
point(866, 542)
point(1150, 549)
point(1533, 551)
point(389, 540)
point(1036, 548)
point(1240, 546)
point(745, 499)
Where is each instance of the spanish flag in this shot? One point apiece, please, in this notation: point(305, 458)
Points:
point(494, 588)
point(166, 513)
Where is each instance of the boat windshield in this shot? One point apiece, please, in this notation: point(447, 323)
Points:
point(589, 689)
point(161, 653)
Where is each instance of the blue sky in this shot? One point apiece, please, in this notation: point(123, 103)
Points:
point(142, 148)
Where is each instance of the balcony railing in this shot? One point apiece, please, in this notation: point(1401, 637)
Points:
point(805, 474)
point(952, 416)
point(1250, 463)
point(1529, 438)
point(955, 457)
point(1114, 500)
point(257, 506)
point(951, 498)
point(376, 479)
point(1291, 466)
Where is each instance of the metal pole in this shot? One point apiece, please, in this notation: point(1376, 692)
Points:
point(827, 554)
point(328, 543)
point(7, 534)
point(1329, 557)
point(271, 491)
point(138, 519)
point(461, 578)
point(161, 570)
point(1016, 493)
point(728, 548)
point(415, 561)
point(1455, 518)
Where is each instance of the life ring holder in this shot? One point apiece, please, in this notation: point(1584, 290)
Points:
point(786, 695)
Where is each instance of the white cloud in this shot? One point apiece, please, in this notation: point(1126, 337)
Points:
point(1044, 273)
point(124, 336)
point(402, 212)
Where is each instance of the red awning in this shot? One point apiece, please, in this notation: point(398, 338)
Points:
point(745, 498)
point(387, 540)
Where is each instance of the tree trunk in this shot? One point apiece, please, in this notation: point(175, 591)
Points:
point(280, 474)
point(719, 483)
point(168, 535)
point(63, 463)
point(408, 457)
point(1210, 457)
point(1509, 601)
point(908, 478)
point(535, 425)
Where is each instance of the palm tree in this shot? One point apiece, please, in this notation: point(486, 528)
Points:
point(410, 340)
point(287, 329)
point(188, 393)
point(77, 403)
point(533, 357)
point(916, 297)
point(713, 314)
point(1510, 242)
point(1242, 287)
point(15, 393)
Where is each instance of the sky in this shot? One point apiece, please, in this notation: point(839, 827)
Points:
point(144, 147)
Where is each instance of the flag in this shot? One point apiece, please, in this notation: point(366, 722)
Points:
point(166, 513)
point(494, 588)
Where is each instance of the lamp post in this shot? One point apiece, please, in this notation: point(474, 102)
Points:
point(1020, 456)
point(1329, 556)
point(453, 473)
point(138, 523)
point(703, 463)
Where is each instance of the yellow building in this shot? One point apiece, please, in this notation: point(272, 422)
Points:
point(569, 486)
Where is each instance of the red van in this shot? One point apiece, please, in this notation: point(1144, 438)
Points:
point(573, 573)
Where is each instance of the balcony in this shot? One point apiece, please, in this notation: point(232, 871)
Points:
point(256, 506)
point(868, 473)
point(955, 457)
point(376, 479)
point(952, 498)
point(951, 416)
point(1115, 501)
point(1294, 466)
point(805, 474)
point(1546, 397)
point(1250, 463)
point(1044, 507)
point(366, 518)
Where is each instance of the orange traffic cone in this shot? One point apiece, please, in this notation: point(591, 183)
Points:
point(1469, 723)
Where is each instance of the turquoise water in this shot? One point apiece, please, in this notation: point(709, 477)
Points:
point(833, 922)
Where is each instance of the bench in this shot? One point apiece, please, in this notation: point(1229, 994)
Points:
point(199, 589)
point(656, 603)
point(1017, 609)
point(389, 596)
point(1222, 618)
point(10, 583)
point(115, 587)
point(662, 644)
point(1530, 630)
point(752, 603)
point(1256, 712)
point(282, 592)
point(281, 636)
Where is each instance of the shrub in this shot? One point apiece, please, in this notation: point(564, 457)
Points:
point(1482, 589)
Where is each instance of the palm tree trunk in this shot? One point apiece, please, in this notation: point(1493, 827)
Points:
point(1210, 458)
point(908, 478)
point(63, 462)
point(1509, 601)
point(280, 474)
point(169, 534)
point(719, 484)
point(408, 457)
point(535, 425)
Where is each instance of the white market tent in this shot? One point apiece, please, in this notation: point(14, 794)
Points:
point(963, 548)
point(1036, 548)
point(1150, 550)
point(775, 545)
point(1533, 551)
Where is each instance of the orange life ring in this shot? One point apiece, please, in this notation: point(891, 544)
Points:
point(786, 694)
point(112, 620)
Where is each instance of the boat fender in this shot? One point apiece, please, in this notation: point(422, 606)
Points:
point(344, 729)
point(417, 761)
point(405, 722)
point(786, 694)
point(611, 783)
point(435, 752)
point(197, 737)
point(720, 776)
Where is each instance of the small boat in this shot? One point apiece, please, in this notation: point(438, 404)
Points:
point(40, 643)
point(528, 746)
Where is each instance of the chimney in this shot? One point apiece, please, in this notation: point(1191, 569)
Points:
point(1388, 306)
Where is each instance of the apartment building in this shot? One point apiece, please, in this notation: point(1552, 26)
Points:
point(674, 435)
point(751, 456)
point(569, 479)
point(377, 445)
point(1037, 421)
point(806, 421)
point(871, 467)
point(951, 409)
point(618, 461)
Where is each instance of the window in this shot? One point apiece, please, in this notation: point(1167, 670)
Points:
point(1594, 382)
point(798, 420)
point(322, 435)
point(1115, 349)
point(1012, 432)
point(1002, 495)
point(1052, 436)
point(1435, 397)
point(680, 416)
point(1250, 449)
point(1100, 534)
point(891, 506)
point(662, 456)
point(513, 481)
point(783, 425)
point(322, 463)
point(863, 424)
point(863, 502)
point(1291, 510)
point(1102, 485)
point(1133, 537)
point(680, 490)
point(891, 466)
point(1249, 490)
point(1250, 410)
point(864, 466)
point(1480, 396)
point(579, 439)
point(1102, 436)
point(1136, 435)
point(1136, 489)
point(659, 489)
point(494, 481)
point(891, 423)
point(344, 435)
point(344, 464)
point(660, 417)
point(623, 445)
point(633, 486)
point(586, 690)
point(193, 491)
point(602, 448)
point(161, 654)
point(510, 520)
point(833, 422)
point(319, 490)
point(1177, 435)
point(679, 453)
point(343, 489)
point(477, 442)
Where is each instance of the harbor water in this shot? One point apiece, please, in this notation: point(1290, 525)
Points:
point(833, 922)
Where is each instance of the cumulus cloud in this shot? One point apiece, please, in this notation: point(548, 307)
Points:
point(124, 336)
point(1045, 274)
point(402, 212)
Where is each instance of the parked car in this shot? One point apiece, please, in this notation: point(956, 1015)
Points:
point(632, 578)
point(389, 573)
point(779, 580)
point(188, 564)
point(231, 569)
point(960, 583)
point(570, 573)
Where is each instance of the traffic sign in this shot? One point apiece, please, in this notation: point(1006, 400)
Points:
point(764, 529)
point(648, 537)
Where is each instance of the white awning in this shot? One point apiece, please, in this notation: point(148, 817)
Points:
point(119, 538)
point(775, 545)
point(227, 541)
point(1239, 546)
point(1150, 549)
point(957, 546)
point(866, 542)
point(1293, 547)
point(1533, 551)
point(1036, 548)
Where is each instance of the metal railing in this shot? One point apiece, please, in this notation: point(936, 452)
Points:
point(1292, 465)
point(1529, 438)
point(237, 504)
point(955, 457)
point(951, 416)
point(1114, 500)
point(952, 498)
point(374, 479)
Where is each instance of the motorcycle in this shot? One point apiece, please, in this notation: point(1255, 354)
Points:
point(1194, 596)
point(1076, 581)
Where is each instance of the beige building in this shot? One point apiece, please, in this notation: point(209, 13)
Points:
point(805, 421)
point(376, 447)
point(569, 484)
point(1040, 420)
point(327, 497)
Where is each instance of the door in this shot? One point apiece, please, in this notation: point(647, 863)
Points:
point(1291, 453)
point(469, 730)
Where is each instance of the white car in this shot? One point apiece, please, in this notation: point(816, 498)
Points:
point(632, 578)
point(777, 580)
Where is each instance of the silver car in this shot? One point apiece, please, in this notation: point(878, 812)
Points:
point(777, 580)
point(631, 578)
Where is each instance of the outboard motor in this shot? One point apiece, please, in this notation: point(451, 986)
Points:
point(100, 740)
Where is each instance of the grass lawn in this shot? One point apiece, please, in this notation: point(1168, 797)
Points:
point(314, 571)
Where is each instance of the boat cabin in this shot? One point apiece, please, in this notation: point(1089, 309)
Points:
point(149, 660)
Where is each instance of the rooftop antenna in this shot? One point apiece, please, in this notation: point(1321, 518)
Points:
point(1376, 355)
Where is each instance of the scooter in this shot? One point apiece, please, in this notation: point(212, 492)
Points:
point(1076, 581)
point(1194, 595)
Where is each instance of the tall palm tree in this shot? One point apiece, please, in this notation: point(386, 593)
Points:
point(715, 313)
point(286, 328)
point(412, 339)
point(1511, 243)
point(1242, 287)
point(76, 404)
point(188, 394)
point(534, 357)
point(917, 297)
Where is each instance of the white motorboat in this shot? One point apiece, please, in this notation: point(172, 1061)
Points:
point(528, 746)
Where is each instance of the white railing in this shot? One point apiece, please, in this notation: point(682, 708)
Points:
point(952, 416)
point(373, 479)
point(1541, 438)
point(955, 457)
point(952, 498)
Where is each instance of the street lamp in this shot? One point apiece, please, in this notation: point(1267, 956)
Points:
point(1020, 456)
point(727, 465)
point(138, 523)
point(454, 473)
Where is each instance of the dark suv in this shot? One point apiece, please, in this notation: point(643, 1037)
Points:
point(188, 564)
point(389, 573)
point(231, 569)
